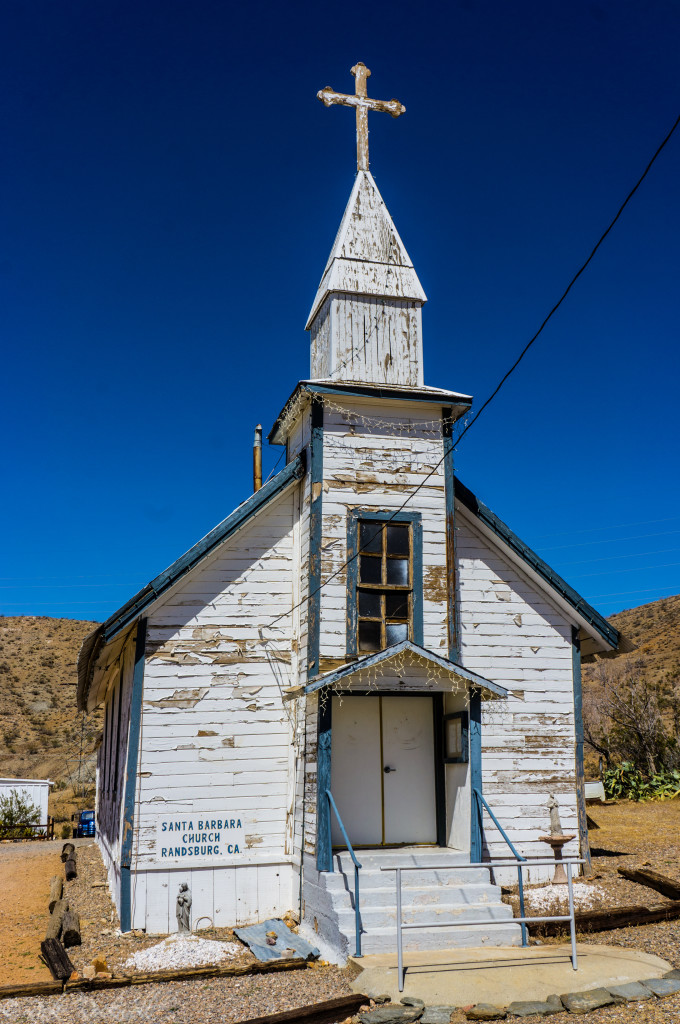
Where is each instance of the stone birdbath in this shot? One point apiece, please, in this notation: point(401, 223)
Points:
point(557, 839)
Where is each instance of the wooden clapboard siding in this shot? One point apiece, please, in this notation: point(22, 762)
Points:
point(216, 733)
point(511, 633)
point(373, 467)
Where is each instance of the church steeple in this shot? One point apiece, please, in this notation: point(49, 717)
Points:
point(365, 322)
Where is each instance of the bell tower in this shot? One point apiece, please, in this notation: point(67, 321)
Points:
point(365, 323)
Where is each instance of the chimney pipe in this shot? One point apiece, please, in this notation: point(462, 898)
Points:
point(257, 458)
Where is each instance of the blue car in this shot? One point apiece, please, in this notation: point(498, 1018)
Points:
point(85, 825)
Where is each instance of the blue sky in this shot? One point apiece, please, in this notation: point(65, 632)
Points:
point(170, 190)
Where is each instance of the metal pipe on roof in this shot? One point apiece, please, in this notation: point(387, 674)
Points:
point(257, 458)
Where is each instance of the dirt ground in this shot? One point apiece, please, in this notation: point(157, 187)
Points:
point(628, 834)
point(25, 873)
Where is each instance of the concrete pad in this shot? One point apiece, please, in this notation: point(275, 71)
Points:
point(503, 974)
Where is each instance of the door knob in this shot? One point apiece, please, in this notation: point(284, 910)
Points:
point(388, 770)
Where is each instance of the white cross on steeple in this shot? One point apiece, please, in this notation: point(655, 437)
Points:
point(362, 104)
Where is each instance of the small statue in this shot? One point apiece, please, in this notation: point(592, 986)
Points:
point(183, 909)
point(555, 823)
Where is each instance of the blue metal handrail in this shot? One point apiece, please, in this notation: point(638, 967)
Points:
point(357, 865)
point(481, 802)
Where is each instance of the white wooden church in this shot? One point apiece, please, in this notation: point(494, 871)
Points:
point(362, 626)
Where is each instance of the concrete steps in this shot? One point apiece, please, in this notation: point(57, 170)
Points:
point(437, 894)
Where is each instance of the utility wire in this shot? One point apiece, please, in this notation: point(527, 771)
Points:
point(504, 378)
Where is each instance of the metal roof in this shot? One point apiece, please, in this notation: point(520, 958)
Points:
point(132, 609)
point(608, 633)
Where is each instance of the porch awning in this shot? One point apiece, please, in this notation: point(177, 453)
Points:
point(489, 690)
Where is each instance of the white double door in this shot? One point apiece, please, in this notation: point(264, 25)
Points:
point(382, 770)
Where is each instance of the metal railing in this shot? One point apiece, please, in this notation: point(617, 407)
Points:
point(357, 865)
point(523, 920)
point(481, 802)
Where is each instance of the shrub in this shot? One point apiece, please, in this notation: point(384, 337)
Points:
point(66, 830)
point(16, 812)
point(625, 781)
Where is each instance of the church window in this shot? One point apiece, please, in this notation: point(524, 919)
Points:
point(385, 580)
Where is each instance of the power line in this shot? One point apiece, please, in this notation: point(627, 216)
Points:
point(610, 526)
point(618, 572)
point(612, 540)
point(649, 590)
point(611, 558)
point(505, 377)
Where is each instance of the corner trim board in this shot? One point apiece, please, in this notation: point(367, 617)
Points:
point(475, 775)
point(315, 536)
point(584, 845)
point(127, 837)
point(324, 850)
point(449, 491)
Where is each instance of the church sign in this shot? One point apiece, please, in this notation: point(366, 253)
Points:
point(207, 836)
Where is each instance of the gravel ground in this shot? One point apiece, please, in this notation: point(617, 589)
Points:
point(212, 1001)
point(99, 924)
point(635, 834)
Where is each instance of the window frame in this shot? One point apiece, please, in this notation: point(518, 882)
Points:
point(414, 519)
point(464, 756)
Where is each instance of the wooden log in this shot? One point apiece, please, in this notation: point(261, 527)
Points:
point(70, 869)
point(70, 929)
point(56, 891)
point(32, 988)
point(66, 851)
point(56, 918)
point(653, 880)
point(56, 958)
point(217, 971)
point(606, 920)
point(327, 1012)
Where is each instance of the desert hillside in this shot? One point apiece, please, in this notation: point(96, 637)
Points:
point(41, 731)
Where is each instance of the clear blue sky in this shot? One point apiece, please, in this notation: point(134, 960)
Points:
point(170, 189)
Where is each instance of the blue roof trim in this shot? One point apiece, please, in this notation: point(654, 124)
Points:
point(345, 671)
point(130, 611)
point(497, 526)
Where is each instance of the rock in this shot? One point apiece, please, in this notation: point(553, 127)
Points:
point(673, 975)
point(662, 986)
point(486, 1011)
point(391, 1015)
point(412, 1001)
point(631, 992)
point(554, 1001)
point(436, 1015)
point(89, 972)
point(103, 974)
point(99, 963)
point(527, 1007)
point(74, 976)
point(583, 1002)
point(382, 998)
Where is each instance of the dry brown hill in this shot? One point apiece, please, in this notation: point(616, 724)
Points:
point(40, 727)
point(655, 630)
point(41, 730)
